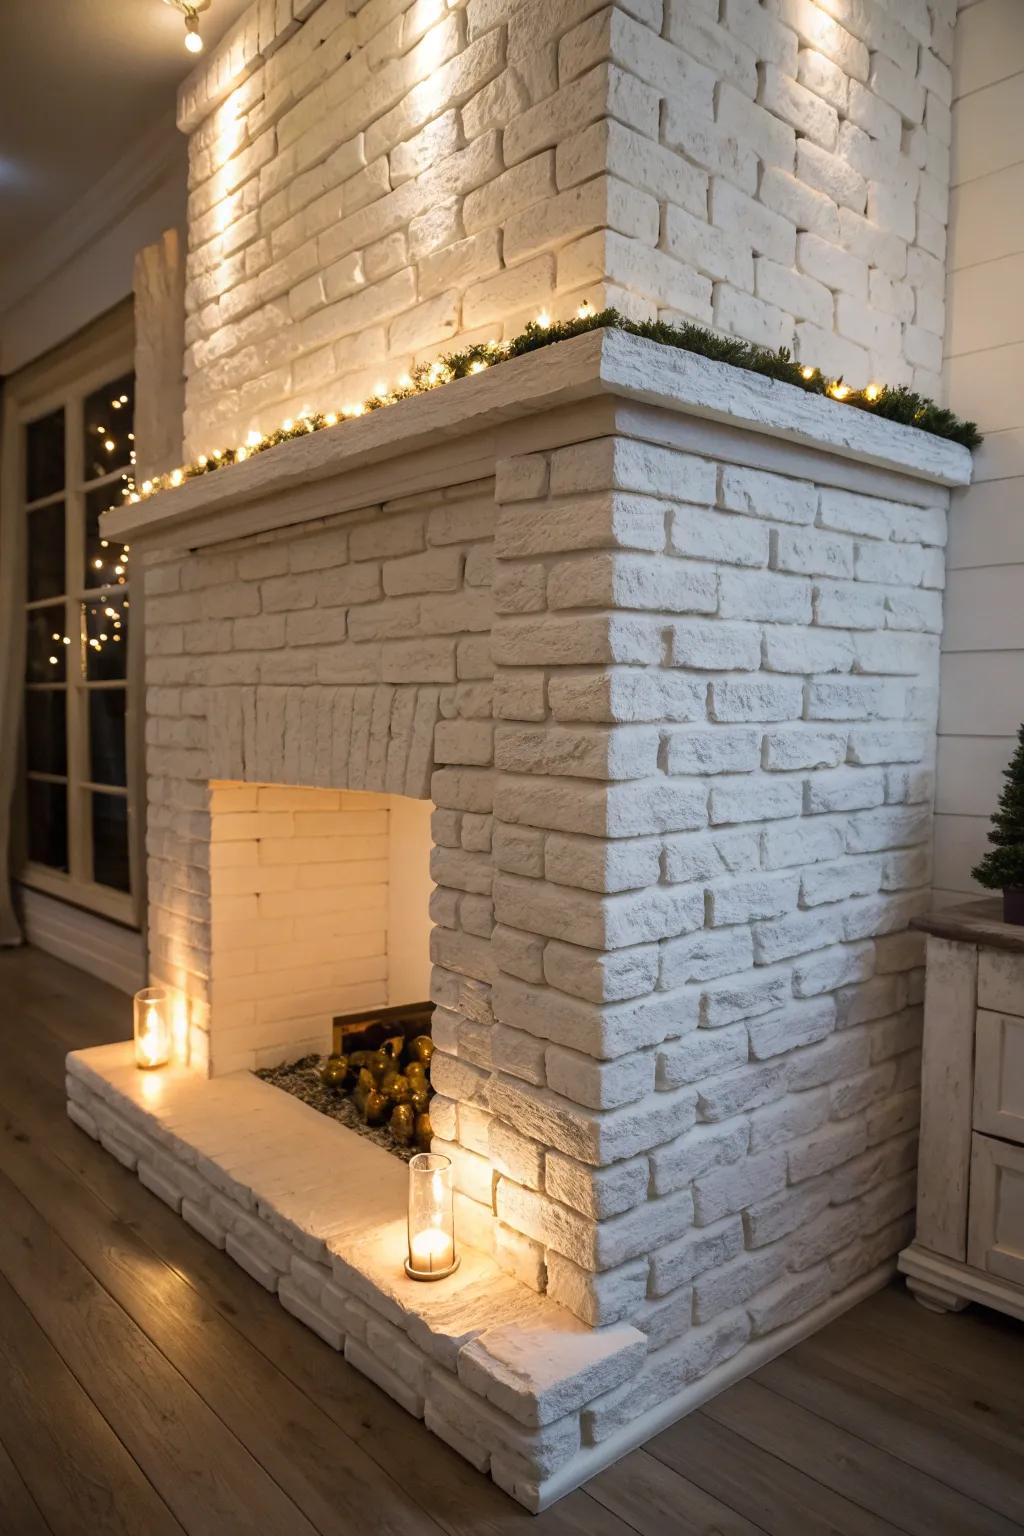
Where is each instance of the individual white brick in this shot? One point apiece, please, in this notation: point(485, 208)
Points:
point(851, 789)
point(756, 800)
point(712, 751)
point(795, 935)
point(596, 1192)
point(774, 599)
point(731, 1284)
point(737, 214)
point(840, 966)
point(789, 1298)
point(898, 88)
point(795, 748)
point(818, 29)
point(600, 1085)
point(703, 1053)
point(760, 494)
point(848, 605)
point(705, 1146)
point(836, 882)
point(710, 145)
point(788, 290)
point(833, 267)
point(715, 646)
point(756, 699)
point(730, 1189)
point(749, 900)
point(807, 208)
point(797, 649)
point(689, 858)
point(704, 955)
point(796, 1025)
point(755, 127)
point(826, 1149)
point(743, 315)
point(832, 175)
point(706, 535)
point(807, 113)
point(718, 252)
point(818, 74)
point(809, 553)
point(854, 699)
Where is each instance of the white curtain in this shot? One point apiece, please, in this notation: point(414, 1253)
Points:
point(12, 666)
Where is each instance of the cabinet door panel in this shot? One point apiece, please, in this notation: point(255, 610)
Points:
point(999, 1076)
point(996, 1228)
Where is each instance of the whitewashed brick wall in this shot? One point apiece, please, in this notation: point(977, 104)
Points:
point(684, 1068)
point(371, 183)
point(676, 713)
point(347, 656)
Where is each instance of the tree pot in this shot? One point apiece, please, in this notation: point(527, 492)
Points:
point(1013, 904)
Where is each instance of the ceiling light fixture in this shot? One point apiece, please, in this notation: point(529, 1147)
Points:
point(190, 11)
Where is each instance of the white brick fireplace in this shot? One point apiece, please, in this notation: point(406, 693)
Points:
point(659, 640)
point(593, 696)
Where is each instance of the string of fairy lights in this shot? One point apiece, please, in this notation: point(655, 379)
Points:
point(894, 404)
point(113, 631)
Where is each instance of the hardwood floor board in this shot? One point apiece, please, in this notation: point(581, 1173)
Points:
point(459, 1499)
point(200, 1469)
point(978, 1400)
point(655, 1499)
point(72, 1467)
point(322, 1471)
point(889, 1422)
point(851, 1467)
point(18, 1507)
point(775, 1496)
point(939, 1446)
point(977, 1340)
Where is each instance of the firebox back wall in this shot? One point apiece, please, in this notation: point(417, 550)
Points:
point(371, 183)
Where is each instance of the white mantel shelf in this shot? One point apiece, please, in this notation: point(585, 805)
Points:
point(600, 363)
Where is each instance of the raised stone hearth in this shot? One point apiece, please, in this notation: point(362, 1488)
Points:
point(659, 641)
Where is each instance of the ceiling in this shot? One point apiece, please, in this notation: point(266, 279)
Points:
point(79, 81)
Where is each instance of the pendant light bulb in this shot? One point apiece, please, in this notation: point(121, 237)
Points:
point(193, 41)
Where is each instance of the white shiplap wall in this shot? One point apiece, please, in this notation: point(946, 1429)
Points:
point(982, 700)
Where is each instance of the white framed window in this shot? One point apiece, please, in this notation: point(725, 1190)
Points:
point(72, 431)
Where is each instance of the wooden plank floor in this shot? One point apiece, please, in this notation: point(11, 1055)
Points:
point(148, 1387)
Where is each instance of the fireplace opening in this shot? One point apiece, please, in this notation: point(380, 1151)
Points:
point(376, 1079)
point(321, 951)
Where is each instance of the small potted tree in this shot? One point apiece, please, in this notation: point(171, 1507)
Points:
point(1002, 868)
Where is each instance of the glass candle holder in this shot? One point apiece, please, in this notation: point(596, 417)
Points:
point(431, 1218)
point(152, 1028)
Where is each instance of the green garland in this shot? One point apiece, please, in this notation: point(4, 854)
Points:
point(901, 404)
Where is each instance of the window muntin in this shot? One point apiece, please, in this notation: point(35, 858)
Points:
point(78, 461)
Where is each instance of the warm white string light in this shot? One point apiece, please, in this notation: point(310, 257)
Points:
point(428, 377)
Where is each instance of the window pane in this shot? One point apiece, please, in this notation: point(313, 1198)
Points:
point(110, 841)
point(46, 552)
point(106, 636)
point(106, 735)
point(46, 747)
point(106, 565)
point(47, 808)
point(44, 456)
point(45, 650)
point(109, 423)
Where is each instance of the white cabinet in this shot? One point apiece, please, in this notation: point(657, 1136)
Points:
point(969, 1243)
